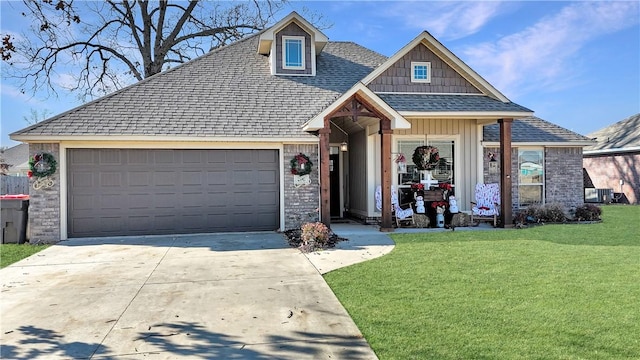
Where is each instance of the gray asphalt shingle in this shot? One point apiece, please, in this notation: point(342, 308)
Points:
point(534, 130)
point(441, 102)
point(229, 92)
point(621, 135)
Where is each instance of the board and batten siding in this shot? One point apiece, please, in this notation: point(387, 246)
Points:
point(467, 162)
point(444, 79)
point(358, 173)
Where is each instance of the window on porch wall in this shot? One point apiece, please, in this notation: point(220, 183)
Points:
point(444, 172)
point(530, 177)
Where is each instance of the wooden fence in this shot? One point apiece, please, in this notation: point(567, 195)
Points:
point(13, 185)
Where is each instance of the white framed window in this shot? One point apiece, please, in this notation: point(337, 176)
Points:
point(293, 53)
point(444, 172)
point(530, 177)
point(420, 72)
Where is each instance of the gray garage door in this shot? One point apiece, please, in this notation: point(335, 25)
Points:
point(144, 192)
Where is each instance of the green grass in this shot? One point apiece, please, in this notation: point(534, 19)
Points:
point(547, 292)
point(10, 253)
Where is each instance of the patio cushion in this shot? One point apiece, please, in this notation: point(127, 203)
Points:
point(487, 199)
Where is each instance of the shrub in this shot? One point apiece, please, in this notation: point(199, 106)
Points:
point(553, 213)
point(588, 212)
point(541, 214)
point(314, 235)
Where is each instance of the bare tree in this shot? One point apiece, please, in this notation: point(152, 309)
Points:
point(95, 47)
point(35, 116)
point(4, 166)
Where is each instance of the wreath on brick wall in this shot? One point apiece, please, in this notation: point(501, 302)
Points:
point(301, 165)
point(42, 165)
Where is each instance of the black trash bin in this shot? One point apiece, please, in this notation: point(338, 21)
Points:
point(14, 215)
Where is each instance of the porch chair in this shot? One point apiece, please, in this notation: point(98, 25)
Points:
point(487, 204)
point(399, 214)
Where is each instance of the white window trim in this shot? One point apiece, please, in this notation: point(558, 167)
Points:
point(284, 52)
point(544, 172)
point(426, 138)
point(413, 69)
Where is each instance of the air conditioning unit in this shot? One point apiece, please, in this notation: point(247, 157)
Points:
point(602, 196)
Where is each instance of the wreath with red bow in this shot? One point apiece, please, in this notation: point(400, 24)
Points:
point(301, 165)
point(42, 165)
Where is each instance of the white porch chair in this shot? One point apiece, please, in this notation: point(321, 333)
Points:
point(399, 214)
point(487, 204)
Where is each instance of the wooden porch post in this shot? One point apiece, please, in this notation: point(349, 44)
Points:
point(385, 156)
point(325, 209)
point(506, 200)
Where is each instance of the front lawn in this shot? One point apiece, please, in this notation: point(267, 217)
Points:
point(547, 292)
point(10, 253)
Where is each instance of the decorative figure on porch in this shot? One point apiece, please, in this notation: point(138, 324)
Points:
point(420, 205)
point(402, 163)
point(440, 217)
point(453, 205)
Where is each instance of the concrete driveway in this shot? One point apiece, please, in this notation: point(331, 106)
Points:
point(219, 296)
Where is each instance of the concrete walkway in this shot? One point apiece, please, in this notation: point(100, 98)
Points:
point(218, 296)
point(366, 242)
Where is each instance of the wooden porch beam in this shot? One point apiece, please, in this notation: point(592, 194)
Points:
point(506, 201)
point(325, 195)
point(385, 156)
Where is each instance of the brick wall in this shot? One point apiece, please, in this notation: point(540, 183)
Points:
point(563, 176)
point(606, 172)
point(301, 204)
point(44, 204)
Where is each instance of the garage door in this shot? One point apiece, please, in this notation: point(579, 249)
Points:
point(145, 192)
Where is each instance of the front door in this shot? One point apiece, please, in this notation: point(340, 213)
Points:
point(334, 181)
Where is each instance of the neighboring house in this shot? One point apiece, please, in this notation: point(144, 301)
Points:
point(17, 157)
point(614, 161)
point(207, 146)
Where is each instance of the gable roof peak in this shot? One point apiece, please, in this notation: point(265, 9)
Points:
point(268, 35)
point(428, 40)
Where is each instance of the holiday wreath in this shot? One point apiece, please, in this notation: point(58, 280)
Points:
point(426, 157)
point(301, 165)
point(42, 165)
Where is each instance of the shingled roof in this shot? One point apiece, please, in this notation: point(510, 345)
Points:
point(535, 130)
point(623, 135)
point(448, 102)
point(228, 92)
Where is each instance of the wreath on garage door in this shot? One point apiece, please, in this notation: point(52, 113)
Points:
point(42, 165)
point(301, 165)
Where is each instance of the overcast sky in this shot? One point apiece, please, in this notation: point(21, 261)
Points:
point(576, 64)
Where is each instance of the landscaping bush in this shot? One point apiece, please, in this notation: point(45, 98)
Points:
point(553, 213)
point(549, 213)
point(588, 212)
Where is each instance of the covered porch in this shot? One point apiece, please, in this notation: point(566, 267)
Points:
point(362, 137)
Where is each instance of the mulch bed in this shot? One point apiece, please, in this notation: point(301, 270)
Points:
point(294, 238)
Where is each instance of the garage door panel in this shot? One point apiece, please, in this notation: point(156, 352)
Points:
point(165, 201)
point(110, 179)
point(83, 202)
point(110, 157)
point(138, 178)
point(165, 178)
point(138, 191)
point(81, 179)
point(192, 178)
point(243, 177)
point(267, 177)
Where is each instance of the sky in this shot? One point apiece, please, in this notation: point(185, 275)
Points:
point(575, 64)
